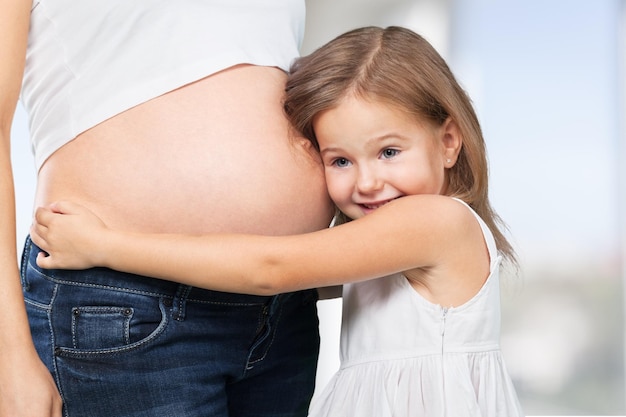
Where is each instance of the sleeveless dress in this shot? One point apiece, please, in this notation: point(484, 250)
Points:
point(402, 355)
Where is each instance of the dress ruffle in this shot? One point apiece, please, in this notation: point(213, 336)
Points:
point(448, 385)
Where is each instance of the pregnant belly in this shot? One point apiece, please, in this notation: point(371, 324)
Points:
point(216, 155)
point(189, 189)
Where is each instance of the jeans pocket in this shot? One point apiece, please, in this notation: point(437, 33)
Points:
point(97, 326)
point(99, 330)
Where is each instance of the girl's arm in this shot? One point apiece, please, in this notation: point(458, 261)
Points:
point(408, 233)
point(26, 387)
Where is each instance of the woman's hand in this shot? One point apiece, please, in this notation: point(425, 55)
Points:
point(69, 234)
point(30, 390)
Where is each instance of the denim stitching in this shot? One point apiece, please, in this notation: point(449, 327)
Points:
point(45, 307)
point(23, 264)
point(75, 353)
point(77, 311)
point(53, 347)
point(250, 364)
point(182, 293)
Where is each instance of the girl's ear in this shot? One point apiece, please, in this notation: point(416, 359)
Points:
point(451, 141)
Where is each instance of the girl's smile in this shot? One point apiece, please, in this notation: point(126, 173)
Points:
point(371, 206)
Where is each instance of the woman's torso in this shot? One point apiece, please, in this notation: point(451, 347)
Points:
point(215, 155)
point(150, 155)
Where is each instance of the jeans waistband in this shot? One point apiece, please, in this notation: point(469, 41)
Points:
point(105, 278)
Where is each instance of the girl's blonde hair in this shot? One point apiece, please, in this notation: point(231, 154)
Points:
point(396, 66)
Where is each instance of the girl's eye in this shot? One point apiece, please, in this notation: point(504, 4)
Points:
point(341, 162)
point(389, 153)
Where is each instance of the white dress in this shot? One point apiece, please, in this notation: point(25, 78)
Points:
point(402, 355)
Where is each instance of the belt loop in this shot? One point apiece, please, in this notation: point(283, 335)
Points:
point(275, 303)
point(180, 302)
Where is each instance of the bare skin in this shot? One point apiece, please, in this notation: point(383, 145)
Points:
point(215, 155)
point(26, 387)
point(382, 168)
point(446, 270)
point(196, 161)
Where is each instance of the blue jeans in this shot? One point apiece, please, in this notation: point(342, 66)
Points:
point(121, 345)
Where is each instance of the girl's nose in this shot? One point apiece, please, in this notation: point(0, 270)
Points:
point(368, 181)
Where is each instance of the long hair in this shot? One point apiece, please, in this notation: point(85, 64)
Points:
point(396, 66)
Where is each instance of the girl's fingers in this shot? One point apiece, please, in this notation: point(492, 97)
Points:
point(66, 207)
point(43, 216)
point(43, 260)
point(36, 231)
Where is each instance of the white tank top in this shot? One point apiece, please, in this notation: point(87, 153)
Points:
point(89, 60)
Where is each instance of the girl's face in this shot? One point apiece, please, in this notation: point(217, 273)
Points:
point(374, 153)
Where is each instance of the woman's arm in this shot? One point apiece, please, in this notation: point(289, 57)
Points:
point(411, 232)
point(26, 386)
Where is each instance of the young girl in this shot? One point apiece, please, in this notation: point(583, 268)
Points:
point(405, 159)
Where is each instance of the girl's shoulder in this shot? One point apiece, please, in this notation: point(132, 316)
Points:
point(444, 211)
point(460, 250)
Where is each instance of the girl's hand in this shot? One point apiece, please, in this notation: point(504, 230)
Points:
point(69, 233)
